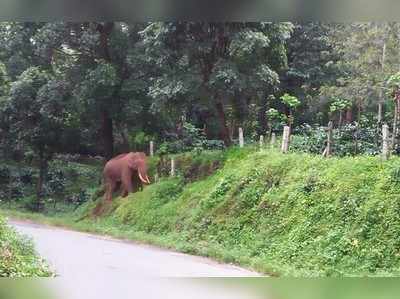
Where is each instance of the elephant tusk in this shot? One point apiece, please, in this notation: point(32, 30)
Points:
point(142, 179)
point(148, 180)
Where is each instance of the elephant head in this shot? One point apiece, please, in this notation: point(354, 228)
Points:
point(138, 161)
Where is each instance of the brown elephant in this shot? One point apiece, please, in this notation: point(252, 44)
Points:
point(129, 170)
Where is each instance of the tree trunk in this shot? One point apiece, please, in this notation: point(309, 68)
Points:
point(395, 122)
point(381, 97)
point(105, 31)
point(262, 119)
point(107, 133)
point(43, 165)
point(224, 131)
point(125, 140)
point(349, 115)
point(340, 119)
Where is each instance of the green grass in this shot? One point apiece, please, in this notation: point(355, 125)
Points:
point(17, 255)
point(287, 215)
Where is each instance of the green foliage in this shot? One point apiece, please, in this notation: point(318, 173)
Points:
point(278, 119)
point(290, 101)
point(339, 105)
point(350, 139)
point(189, 139)
point(67, 183)
point(191, 166)
point(393, 84)
point(17, 255)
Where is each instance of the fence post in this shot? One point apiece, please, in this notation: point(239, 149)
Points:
point(328, 150)
point(285, 139)
point(273, 139)
point(385, 142)
point(241, 138)
point(151, 148)
point(261, 141)
point(172, 167)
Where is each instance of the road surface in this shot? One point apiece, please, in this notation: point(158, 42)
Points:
point(91, 266)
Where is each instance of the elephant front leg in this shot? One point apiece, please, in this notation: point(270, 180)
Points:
point(124, 192)
point(127, 186)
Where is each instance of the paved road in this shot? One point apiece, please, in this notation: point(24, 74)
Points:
point(92, 266)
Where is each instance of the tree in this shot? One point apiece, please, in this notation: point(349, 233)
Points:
point(38, 110)
point(213, 62)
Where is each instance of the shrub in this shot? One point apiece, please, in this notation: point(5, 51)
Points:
point(190, 139)
point(349, 140)
point(56, 182)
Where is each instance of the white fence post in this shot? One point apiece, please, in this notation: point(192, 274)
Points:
point(261, 141)
point(285, 139)
point(241, 138)
point(172, 167)
point(151, 148)
point(273, 139)
point(385, 142)
point(328, 150)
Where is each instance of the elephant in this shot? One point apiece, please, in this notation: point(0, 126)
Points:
point(129, 170)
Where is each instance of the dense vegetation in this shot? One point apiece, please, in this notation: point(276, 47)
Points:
point(73, 95)
point(17, 256)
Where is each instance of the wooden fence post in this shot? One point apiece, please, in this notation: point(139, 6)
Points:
point(172, 167)
point(328, 150)
point(385, 142)
point(273, 139)
point(285, 139)
point(151, 148)
point(241, 138)
point(261, 141)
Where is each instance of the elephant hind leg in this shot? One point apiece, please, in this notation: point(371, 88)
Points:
point(110, 187)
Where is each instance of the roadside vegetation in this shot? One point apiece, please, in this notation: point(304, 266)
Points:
point(17, 255)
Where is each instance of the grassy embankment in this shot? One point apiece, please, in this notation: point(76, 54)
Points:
point(288, 215)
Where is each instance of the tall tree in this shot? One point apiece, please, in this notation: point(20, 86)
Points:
point(215, 62)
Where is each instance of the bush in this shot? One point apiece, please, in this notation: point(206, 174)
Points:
point(191, 165)
point(56, 182)
point(79, 198)
point(349, 140)
point(191, 139)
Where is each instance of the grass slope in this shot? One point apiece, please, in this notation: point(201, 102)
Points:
point(289, 215)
